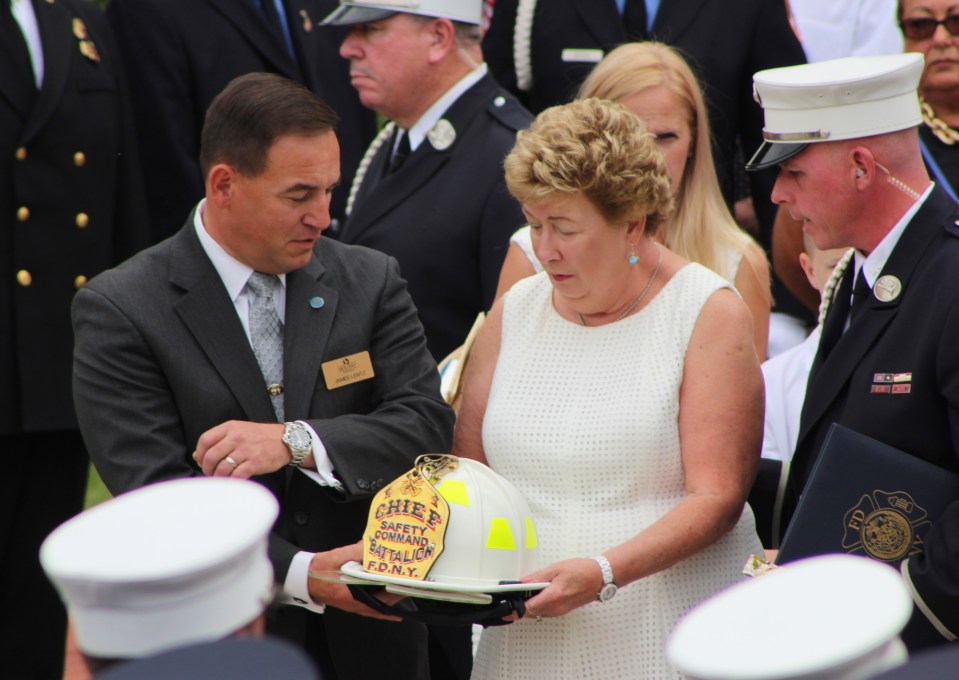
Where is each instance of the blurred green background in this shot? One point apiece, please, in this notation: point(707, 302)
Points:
point(96, 491)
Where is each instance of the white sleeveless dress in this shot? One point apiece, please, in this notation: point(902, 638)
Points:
point(584, 420)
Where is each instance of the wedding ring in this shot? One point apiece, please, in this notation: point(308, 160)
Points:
point(231, 461)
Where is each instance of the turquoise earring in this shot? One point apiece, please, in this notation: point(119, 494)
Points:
point(633, 257)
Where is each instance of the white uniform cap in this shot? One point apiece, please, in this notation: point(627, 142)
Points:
point(170, 564)
point(363, 11)
point(833, 100)
point(833, 617)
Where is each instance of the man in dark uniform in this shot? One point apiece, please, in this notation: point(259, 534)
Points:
point(844, 135)
point(181, 53)
point(430, 191)
point(71, 205)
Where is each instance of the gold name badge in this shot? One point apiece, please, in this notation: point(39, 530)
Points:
point(351, 369)
point(407, 522)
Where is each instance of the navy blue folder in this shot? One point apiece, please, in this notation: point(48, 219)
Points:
point(864, 497)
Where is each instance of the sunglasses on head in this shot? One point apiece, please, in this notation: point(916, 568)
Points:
point(921, 28)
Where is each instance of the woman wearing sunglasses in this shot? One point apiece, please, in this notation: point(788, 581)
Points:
point(932, 27)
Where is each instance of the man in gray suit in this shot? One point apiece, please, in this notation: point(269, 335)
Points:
point(245, 346)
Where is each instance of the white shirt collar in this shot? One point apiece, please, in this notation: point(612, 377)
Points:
point(877, 258)
point(432, 115)
point(233, 273)
point(23, 12)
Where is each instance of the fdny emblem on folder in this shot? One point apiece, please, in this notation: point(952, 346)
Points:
point(885, 525)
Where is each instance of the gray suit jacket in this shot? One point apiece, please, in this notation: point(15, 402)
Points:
point(161, 357)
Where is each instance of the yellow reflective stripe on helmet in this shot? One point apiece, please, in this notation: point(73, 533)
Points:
point(531, 543)
point(500, 535)
point(454, 491)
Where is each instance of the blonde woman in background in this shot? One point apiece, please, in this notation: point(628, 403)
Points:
point(656, 84)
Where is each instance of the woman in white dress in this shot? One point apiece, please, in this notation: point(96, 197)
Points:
point(620, 392)
point(655, 83)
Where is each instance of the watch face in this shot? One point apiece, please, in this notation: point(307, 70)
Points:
point(607, 592)
point(298, 438)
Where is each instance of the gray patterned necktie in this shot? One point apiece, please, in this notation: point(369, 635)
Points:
point(266, 335)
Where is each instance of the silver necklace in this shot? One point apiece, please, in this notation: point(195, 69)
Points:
point(636, 302)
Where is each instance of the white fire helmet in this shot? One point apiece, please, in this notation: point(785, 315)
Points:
point(489, 541)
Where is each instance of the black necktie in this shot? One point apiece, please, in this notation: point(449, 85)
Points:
point(634, 19)
point(835, 322)
point(11, 34)
point(860, 294)
point(400, 151)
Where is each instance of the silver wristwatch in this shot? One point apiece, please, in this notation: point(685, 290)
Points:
point(609, 588)
point(298, 440)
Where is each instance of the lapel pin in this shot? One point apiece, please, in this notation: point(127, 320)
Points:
point(887, 288)
point(80, 29)
point(317, 302)
point(89, 50)
point(307, 22)
point(442, 135)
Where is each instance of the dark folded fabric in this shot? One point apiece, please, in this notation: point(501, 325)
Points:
point(762, 498)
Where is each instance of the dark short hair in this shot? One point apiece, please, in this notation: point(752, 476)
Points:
point(251, 112)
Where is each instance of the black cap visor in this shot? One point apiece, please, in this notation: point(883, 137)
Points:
point(347, 15)
point(773, 153)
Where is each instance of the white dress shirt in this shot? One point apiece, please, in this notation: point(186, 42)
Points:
point(235, 275)
point(25, 16)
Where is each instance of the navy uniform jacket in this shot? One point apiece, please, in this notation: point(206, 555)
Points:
point(162, 357)
point(725, 42)
point(181, 53)
point(71, 205)
point(446, 215)
point(917, 333)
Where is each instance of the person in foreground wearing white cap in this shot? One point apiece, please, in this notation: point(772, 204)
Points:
point(844, 134)
point(830, 617)
point(236, 658)
point(430, 190)
point(141, 576)
point(247, 346)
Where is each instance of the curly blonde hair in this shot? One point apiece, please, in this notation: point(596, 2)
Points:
point(595, 148)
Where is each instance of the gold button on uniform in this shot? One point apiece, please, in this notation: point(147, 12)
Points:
point(24, 278)
point(21, 153)
point(23, 213)
point(80, 281)
point(79, 158)
point(83, 220)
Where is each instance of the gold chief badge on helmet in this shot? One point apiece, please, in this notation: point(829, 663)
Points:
point(407, 523)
